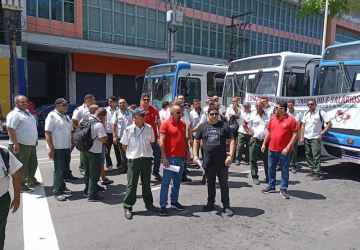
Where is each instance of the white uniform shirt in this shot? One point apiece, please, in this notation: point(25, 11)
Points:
point(81, 113)
point(164, 114)
point(14, 165)
point(296, 115)
point(109, 115)
point(313, 124)
point(60, 127)
point(231, 112)
point(24, 125)
point(269, 111)
point(123, 120)
point(138, 141)
point(97, 132)
point(195, 118)
point(258, 125)
point(244, 121)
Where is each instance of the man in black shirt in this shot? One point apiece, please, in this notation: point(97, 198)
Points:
point(216, 162)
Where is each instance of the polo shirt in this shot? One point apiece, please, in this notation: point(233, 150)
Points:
point(81, 113)
point(281, 130)
point(24, 125)
point(14, 165)
point(109, 115)
point(152, 118)
point(60, 127)
point(313, 124)
point(138, 141)
point(97, 132)
point(175, 137)
point(122, 120)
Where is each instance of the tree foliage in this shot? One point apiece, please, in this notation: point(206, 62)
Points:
point(336, 7)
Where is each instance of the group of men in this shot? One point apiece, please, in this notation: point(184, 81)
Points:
point(145, 139)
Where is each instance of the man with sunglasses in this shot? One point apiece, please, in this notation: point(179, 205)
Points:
point(315, 124)
point(216, 162)
point(281, 136)
point(153, 119)
point(58, 129)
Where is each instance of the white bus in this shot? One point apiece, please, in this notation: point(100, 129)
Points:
point(273, 75)
point(194, 81)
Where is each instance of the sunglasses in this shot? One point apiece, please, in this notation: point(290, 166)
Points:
point(122, 102)
point(178, 113)
point(279, 108)
point(311, 104)
point(214, 114)
point(146, 99)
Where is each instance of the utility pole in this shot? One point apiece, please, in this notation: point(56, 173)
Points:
point(233, 26)
point(14, 83)
point(325, 27)
point(174, 18)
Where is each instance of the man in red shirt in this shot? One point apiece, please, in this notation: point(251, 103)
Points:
point(282, 133)
point(153, 119)
point(174, 149)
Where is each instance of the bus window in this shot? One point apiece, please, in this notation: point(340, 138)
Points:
point(294, 85)
point(190, 88)
point(215, 83)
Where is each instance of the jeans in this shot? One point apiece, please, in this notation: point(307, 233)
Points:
point(175, 177)
point(157, 157)
point(274, 159)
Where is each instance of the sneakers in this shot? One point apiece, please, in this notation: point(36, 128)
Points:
point(208, 208)
point(163, 211)
point(128, 213)
point(228, 212)
point(268, 189)
point(256, 181)
point(60, 197)
point(284, 193)
point(151, 208)
point(67, 192)
point(157, 176)
point(177, 206)
point(107, 181)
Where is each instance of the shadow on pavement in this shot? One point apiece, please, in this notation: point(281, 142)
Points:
point(305, 195)
point(235, 174)
point(236, 184)
point(342, 171)
point(114, 194)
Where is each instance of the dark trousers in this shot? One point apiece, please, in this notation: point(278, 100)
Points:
point(255, 155)
point(313, 154)
point(222, 172)
point(108, 151)
point(27, 156)
point(157, 157)
point(92, 164)
point(61, 166)
point(123, 158)
point(243, 147)
point(140, 167)
point(4, 211)
point(293, 155)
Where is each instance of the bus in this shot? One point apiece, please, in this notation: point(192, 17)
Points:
point(163, 82)
point(274, 75)
point(337, 90)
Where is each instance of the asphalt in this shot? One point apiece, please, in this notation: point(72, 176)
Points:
point(319, 215)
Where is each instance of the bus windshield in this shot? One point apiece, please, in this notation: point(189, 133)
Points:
point(160, 88)
point(338, 79)
point(261, 83)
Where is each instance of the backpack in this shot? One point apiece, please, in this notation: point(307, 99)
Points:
point(82, 138)
point(6, 159)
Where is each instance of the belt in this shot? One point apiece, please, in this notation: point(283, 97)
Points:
point(137, 159)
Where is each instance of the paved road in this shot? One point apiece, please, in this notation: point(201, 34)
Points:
point(320, 215)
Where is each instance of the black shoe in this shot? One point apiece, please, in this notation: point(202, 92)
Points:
point(60, 197)
point(256, 181)
point(151, 208)
point(71, 178)
point(228, 212)
point(284, 193)
point(208, 208)
point(186, 179)
point(128, 213)
point(100, 188)
point(67, 192)
point(268, 189)
point(95, 198)
point(157, 177)
point(106, 182)
point(177, 206)
point(203, 180)
point(163, 211)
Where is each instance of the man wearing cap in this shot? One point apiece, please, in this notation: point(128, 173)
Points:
point(58, 129)
point(281, 136)
point(23, 135)
point(136, 142)
point(93, 159)
point(153, 119)
point(120, 121)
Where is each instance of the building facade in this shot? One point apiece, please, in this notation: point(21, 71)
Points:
point(73, 47)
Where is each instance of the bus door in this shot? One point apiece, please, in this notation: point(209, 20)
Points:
point(189, 85)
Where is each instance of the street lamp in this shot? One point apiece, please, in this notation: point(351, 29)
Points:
point(325, 26)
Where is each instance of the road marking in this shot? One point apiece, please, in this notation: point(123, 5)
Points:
point(39, 232)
